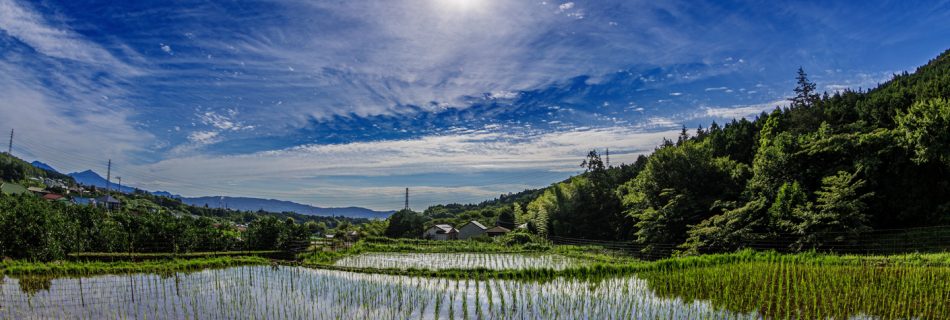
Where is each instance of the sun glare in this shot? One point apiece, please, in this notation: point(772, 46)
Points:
point(461, 5)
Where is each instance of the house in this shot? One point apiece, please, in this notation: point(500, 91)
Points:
point(471, 229)
point(441, 232)
point(352, 236)
point(497, 231)
point(12, 189)
point(53, 183)
point(38, 191)
point(52, 196)
point(84, 201)
point(109, 202)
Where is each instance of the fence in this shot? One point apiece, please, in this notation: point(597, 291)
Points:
point(875, 242)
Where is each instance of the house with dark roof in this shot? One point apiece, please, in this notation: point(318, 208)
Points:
point(497, 231)
point(441, 232)
point(109, 202)
point(471, 229)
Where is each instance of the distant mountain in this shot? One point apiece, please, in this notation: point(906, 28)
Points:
point(254, 204)
point(43, 166)
point(91, 178)
point(166, 194)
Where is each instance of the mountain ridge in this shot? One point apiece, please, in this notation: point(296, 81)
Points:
point(91, 178)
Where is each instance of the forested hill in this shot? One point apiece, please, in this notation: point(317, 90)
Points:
point(820, 172)
point(16, 170)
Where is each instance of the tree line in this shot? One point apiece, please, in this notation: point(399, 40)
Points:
point(36, 229)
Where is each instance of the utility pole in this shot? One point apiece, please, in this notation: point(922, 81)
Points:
point(120, 184)
point(10, 146)
point(407, 199)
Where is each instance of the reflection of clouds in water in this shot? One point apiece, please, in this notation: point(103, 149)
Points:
point(287, 292)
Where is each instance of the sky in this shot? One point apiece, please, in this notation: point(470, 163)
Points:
point(346, 103)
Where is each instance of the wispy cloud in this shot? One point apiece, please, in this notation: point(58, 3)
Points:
point(477, 151)
point(741, 111)
point(20, 21)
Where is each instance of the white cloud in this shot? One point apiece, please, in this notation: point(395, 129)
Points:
point(740, 111)
point(223, 122)
point(676, 94)
point(21, 22)
point(203, 137)
point(67, 128)
point(416, 52)
point(167, 49)
point(717, 89)
point(72, 115)
point(476, 151)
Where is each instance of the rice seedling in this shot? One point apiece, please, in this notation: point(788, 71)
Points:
point(441, 261)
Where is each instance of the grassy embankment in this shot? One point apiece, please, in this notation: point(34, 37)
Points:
point(125, 256)
point(87, 268)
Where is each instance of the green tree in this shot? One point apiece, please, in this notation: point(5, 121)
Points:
point(30, 228)
point(790, 203)
point(506, 217)
point(263, 233)
point(405, 224)
point(805, 94)
point(839, 213)
point(924, 128)
point(680, 186)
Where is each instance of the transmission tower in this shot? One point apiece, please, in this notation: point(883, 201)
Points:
point(109, 177)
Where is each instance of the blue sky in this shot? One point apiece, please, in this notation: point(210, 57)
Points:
point(338, 103)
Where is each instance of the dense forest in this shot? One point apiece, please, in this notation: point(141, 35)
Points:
point(820, 172)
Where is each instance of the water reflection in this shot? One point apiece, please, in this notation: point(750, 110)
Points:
point(300, 293)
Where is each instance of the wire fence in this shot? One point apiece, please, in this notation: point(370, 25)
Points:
point(876, 242)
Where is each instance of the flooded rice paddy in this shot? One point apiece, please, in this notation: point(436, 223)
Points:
point(442, 261)
point(301, 293)
point(747, 290)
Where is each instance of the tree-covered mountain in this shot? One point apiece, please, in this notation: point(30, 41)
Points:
point(818, 173)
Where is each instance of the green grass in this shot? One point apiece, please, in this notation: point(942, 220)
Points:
point(71, 268)
point(785, 289)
